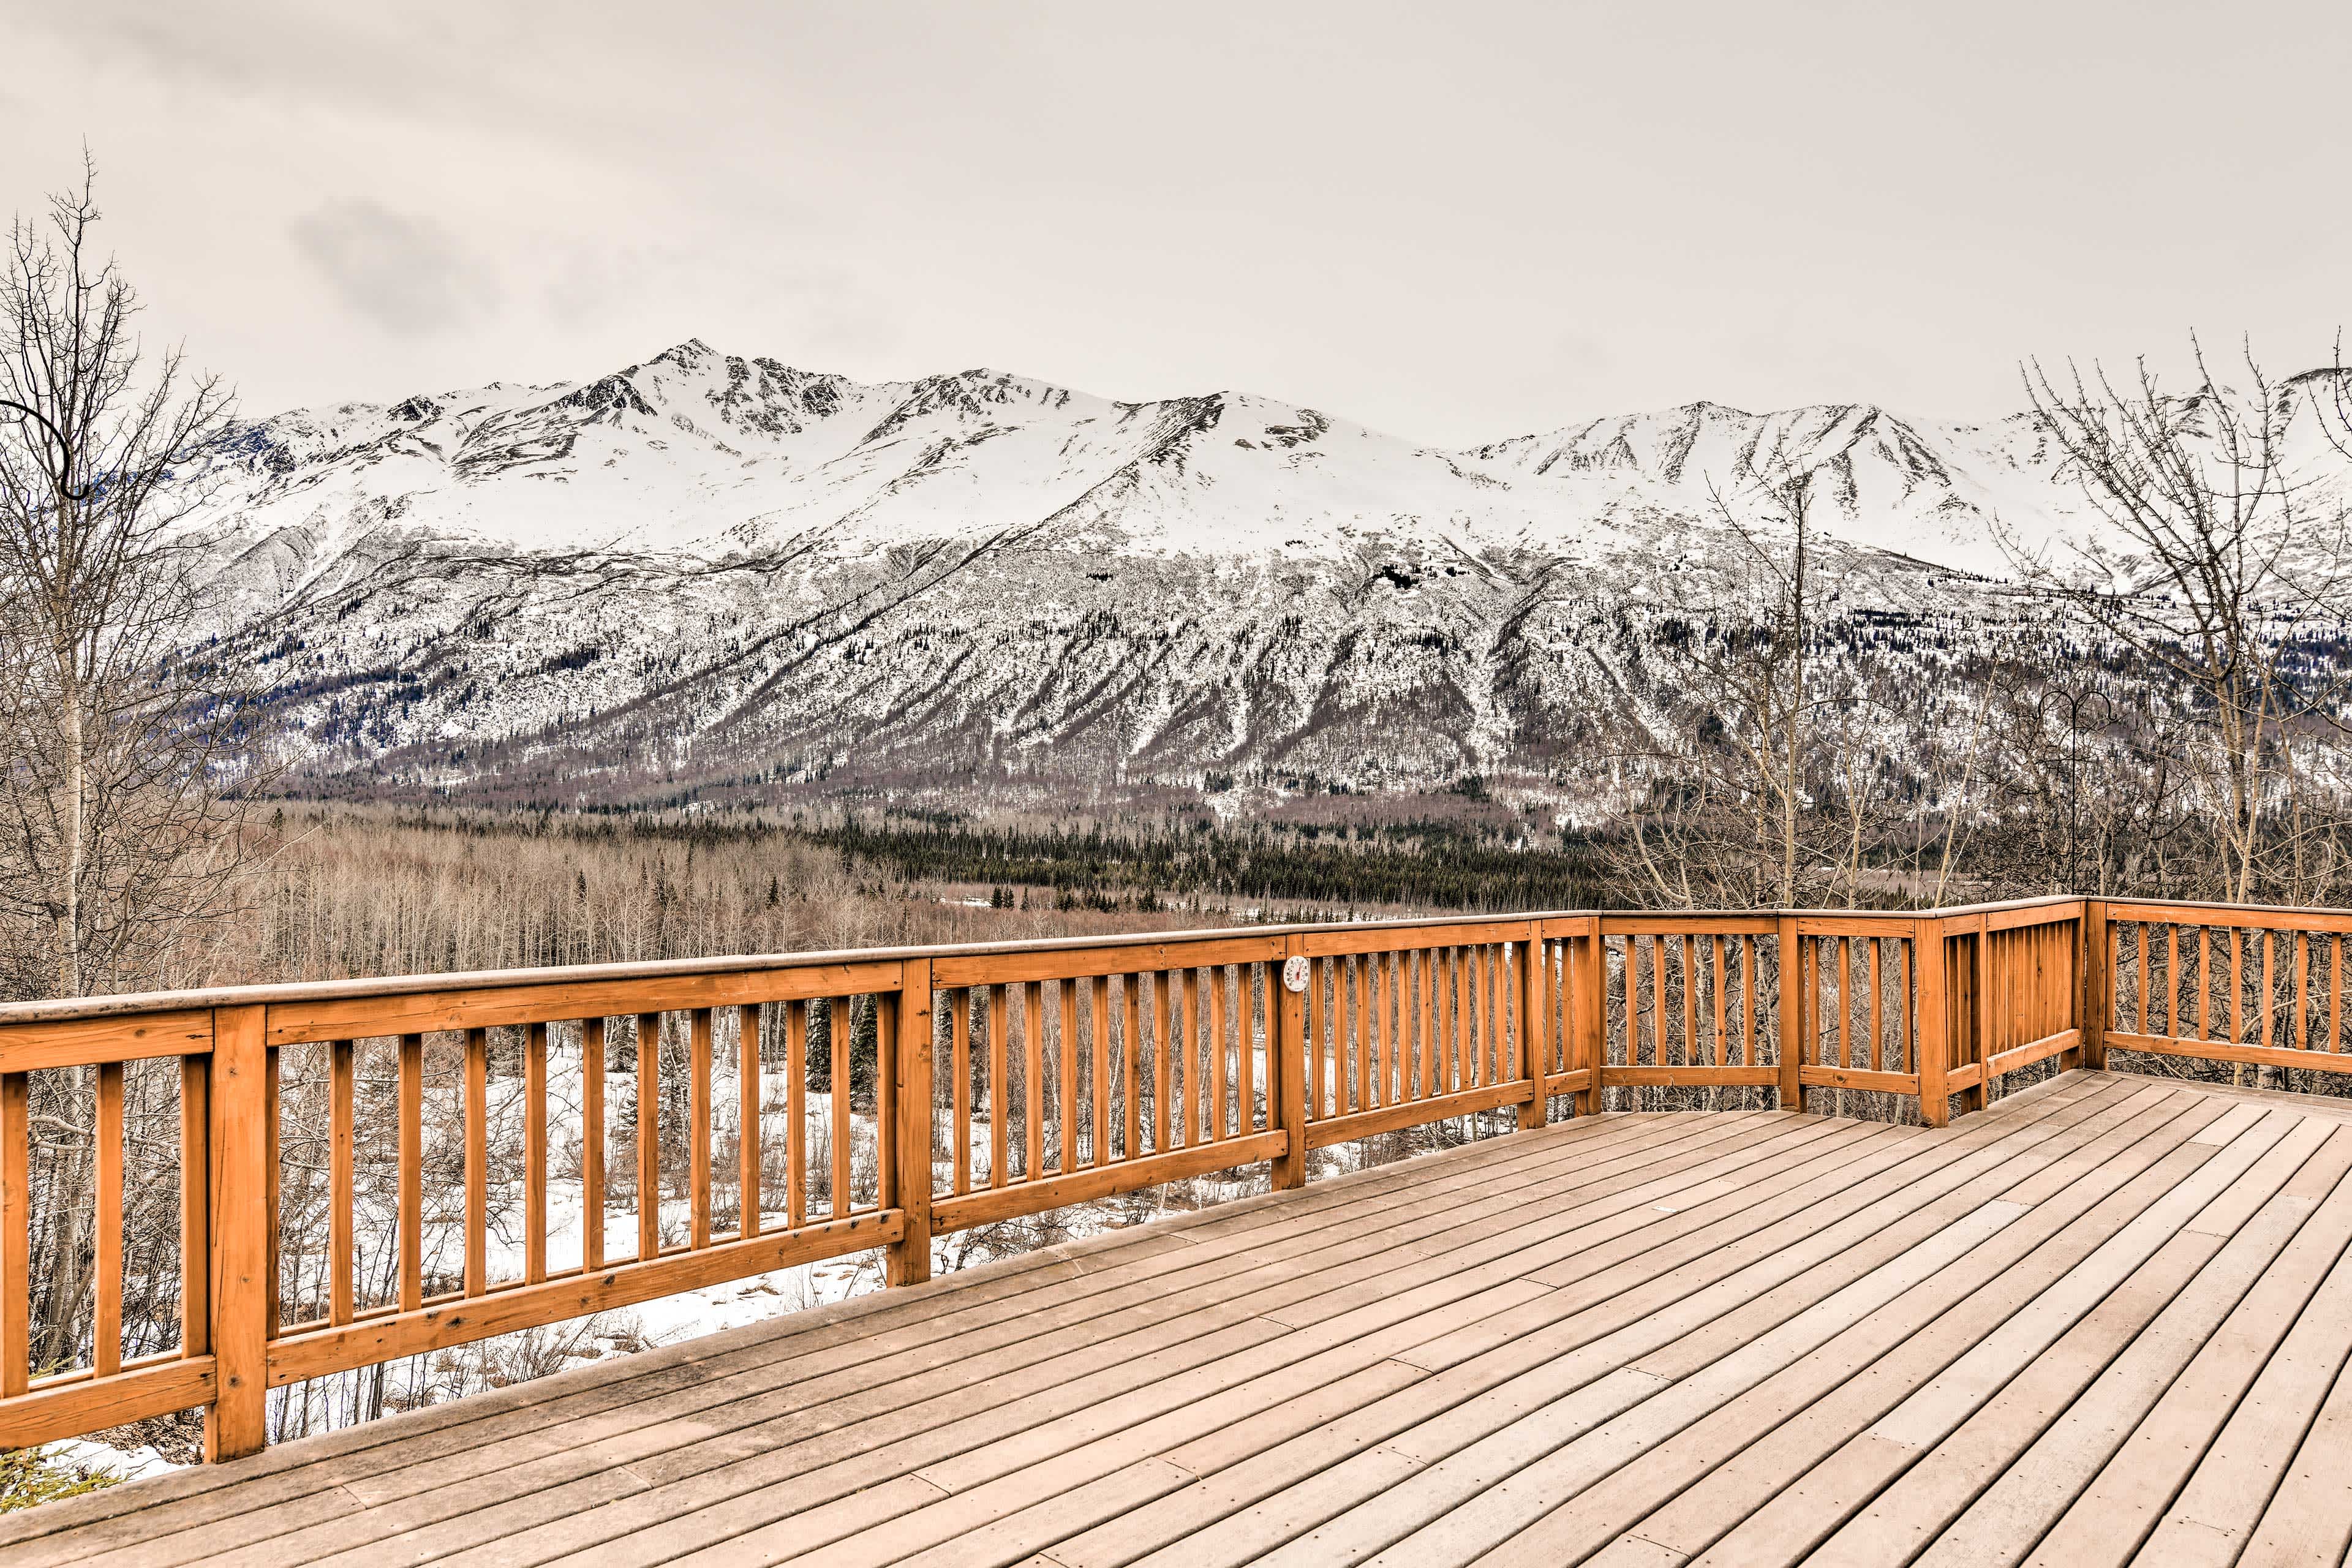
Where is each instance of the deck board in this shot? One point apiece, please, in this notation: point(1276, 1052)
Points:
point(2109, 1319)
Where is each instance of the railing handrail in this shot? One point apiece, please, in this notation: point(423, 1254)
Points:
point(58, 1009)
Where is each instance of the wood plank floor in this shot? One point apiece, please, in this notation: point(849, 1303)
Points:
point(2107, 1322)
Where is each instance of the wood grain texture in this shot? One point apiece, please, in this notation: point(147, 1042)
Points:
point(235, 1422)
point(1755, 1336)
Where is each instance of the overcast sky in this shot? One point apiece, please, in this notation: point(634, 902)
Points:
point(1452, 221)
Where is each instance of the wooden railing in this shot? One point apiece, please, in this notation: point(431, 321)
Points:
point(996, 1081)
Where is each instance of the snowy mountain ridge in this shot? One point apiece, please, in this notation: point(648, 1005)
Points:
point(713, 574)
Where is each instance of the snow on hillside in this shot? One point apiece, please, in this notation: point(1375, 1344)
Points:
point(711, 573)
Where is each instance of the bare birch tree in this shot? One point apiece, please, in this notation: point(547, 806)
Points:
point(2218, 552)
point(122, 746)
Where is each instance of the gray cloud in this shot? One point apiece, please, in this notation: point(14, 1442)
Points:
point(405, 273)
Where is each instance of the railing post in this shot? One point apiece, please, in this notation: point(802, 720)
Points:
point(1792, 1014)
point(908, 1261)
point(1287, 1012)
point(2098, 985)
point(1533, 1054)
point(1591, 1028)
point(1932, 1034)
point(1981, 1095)
point(235, 1424)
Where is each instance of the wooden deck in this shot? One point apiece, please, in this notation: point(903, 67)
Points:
point(2106, 1322)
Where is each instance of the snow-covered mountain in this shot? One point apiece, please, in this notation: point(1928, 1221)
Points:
point(717, 577)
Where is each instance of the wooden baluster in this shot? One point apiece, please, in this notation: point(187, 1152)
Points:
point(1408, 1013)
point(1033, 1059)
point(1098, 1009)
point(1841, 976)
point(2172, 980)
point(535, 1155)
point(1473, 1018)
point(1396, 1069)
point(478, 1160)
point(1494, 998)
point(1907, 963)
point(649, 1126)
point(1466, 1000)
point(1396, 1079)
point(1469, 1016)
point(195, 1206)
point(1461, 1004)
point(841, 1028)
point(271, 1170)
point(411, 1170)
point(699, 1122)
point(1630, 969)
point(1396, 1075)
point(796, 1068)
point(106, 1311)
point(2237, 986)
point(2270, 986)
point(960, 1057)
point(1196, 1061)
point(1690, 999)
point(341, 1205)
point(749, 1090)
point(1130, 1091)
point(2335, 992)
point(15, 1233)
point(592, 1144)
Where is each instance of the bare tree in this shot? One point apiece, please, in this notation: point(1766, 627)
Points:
point(118, 814)
point(1759, 761)
point(121, 745)
point(2219, 553)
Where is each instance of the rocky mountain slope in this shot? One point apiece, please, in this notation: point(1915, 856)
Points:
point(706, 576)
